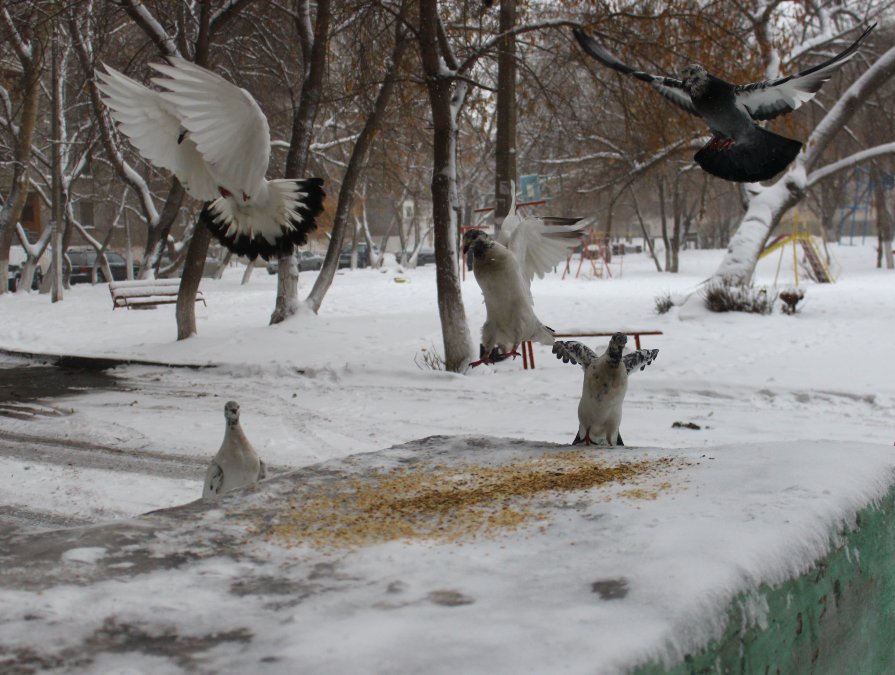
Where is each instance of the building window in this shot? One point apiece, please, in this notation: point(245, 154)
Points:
point(85, 208)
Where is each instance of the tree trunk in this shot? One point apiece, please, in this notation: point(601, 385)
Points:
point(194, 265)
point(314, 53)
point(663, 217)
point(505, 150)
point(454, 328)
point(192, 276)
point(157, 233)
point(883, 221)
point(11, 212)
point(56, 168)
point(354, 168)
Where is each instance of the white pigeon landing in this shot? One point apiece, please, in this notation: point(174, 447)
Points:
point(605, 386)
point(214, 137)
point(236, 464)
point(504, 268)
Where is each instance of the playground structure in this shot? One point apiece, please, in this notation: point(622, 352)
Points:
point(800, 237)
point(595, 253)
point(855, 215)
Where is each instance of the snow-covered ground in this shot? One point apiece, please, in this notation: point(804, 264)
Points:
point(348, 380)
point(795, 417)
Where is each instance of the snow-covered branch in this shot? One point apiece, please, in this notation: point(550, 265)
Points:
point(848, 103)
point(22, 47)
point(850, 161)
point(153, 29)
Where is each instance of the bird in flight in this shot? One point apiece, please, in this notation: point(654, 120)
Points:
point(504, 267)
point(214, 137)
point(739, 149)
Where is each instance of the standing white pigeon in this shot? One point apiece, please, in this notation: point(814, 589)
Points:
point(605, 386)
point(504, 268)
point(739, 149)
point(213, 136)
point(236, 464)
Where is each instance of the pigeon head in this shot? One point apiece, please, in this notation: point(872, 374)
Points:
point(478, 240)
point(695, 78)
point(231, 413)
point(617, 346)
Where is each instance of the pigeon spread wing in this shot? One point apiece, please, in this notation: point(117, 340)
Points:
point(640, 359)
point(766, 100)
point(153, 126)
point(223, 120)
point(669, 87)
point(574, 352)
point(539, 246)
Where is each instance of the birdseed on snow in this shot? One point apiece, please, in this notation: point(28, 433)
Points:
point(452, 503)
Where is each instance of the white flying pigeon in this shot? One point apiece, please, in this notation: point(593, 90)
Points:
point(739, 150)
point(504, 268)
point(236, 464)
point(605, 385)
point(213, 136)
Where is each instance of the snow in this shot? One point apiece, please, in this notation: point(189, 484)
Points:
point(795, 438)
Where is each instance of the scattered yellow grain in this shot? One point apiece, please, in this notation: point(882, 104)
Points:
point(449, 503)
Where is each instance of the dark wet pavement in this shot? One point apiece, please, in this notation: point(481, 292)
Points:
point(23, 386)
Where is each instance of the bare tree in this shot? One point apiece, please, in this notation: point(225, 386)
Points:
point(26, 33)
point(356, 162)
point(314, 39)
point(766, 204)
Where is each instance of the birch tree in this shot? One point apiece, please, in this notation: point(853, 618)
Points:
point(766, 204)
point(313, 38)
point(26, 33)
point(359, 153)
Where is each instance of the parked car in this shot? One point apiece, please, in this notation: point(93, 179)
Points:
point(17, 257)
point(362, 258)
point(308, 261)
point(426, 256)
point(82, 260)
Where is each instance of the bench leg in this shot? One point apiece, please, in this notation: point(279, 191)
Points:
point(637, 340)
point(528, 356)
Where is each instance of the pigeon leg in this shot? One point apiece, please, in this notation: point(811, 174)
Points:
point(484, 359)
point(510, 353)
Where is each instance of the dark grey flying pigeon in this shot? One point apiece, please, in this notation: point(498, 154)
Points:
point(605, 386)
point(739, 149)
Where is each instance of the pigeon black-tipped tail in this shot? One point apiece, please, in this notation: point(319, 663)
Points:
point(760, 156)
point(307, 203)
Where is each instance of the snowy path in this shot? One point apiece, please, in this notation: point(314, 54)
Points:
point(323, 387)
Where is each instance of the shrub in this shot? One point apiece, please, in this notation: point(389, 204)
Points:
point(664, 303)
point(721, 296)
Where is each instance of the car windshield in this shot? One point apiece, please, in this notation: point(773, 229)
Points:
point(87, 258)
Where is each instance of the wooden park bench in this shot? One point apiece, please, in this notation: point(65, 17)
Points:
point(528, 355)
point(146, 293)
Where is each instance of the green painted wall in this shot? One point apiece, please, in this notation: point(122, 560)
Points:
point(839, 619)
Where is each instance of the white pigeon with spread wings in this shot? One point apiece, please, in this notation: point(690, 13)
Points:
point(236, 463)
point(504, 268)
point(739, 150)
point(605, 386)
point(214, 137)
